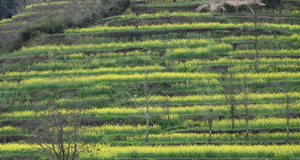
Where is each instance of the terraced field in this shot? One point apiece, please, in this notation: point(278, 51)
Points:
point(160, 82)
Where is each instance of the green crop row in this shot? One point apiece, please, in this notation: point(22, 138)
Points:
point(202, 52)
point(154, 44)
point(84, 64)
point(198, 63)
point(216, 137)
point(70, 103)
point(82, 92)
point(166, 14)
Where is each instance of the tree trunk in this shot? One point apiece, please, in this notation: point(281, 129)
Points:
point(147, 116)
point(287, 110)
point(169, 123)
point(232, 115)
point(210, 130)
point(147, 128)
point(210, 122)
point(245, 89)
point(247, 129)
point(256, 54)
point(287, 113)
point(287, 129)
point(256, 41)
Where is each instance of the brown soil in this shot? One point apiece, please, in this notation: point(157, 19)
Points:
point(129, 50)
point(19, 157)
point(41, 57)
point(220, 67)
point(14, 138)
point(67, 93)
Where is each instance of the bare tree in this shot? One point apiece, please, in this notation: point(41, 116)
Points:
point(167, 107)
point(148, 89)
point(210, 116)
point(245, 98)
point(230, 92)
point(59, 133)
point(287, 113)
point(208, 89)
point(254, 10)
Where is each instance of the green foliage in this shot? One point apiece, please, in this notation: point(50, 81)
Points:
point(229, 8)
point(273, 4)
point(2, 10)
point(51, 24)
point(121, 4)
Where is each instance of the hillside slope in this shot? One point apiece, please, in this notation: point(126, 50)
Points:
point(208, 85)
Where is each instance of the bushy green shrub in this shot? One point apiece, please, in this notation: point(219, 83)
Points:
point(51, 24)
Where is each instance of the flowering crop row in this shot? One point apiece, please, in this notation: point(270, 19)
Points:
point(262, 38)
point(66, 82)
point(283, 52)
point(79, 61)
point(79, 72)
point(268, 68)
point(10, 130)
point(216, 137)
point(202, 52)
point(71, 82)
point(166, 26)
point(103, 152)
point(198, 63)
point(193, 66)
point(254, 109)
point(122, 129)
point(217, 98)
point(174, 43)
point(260, 123)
